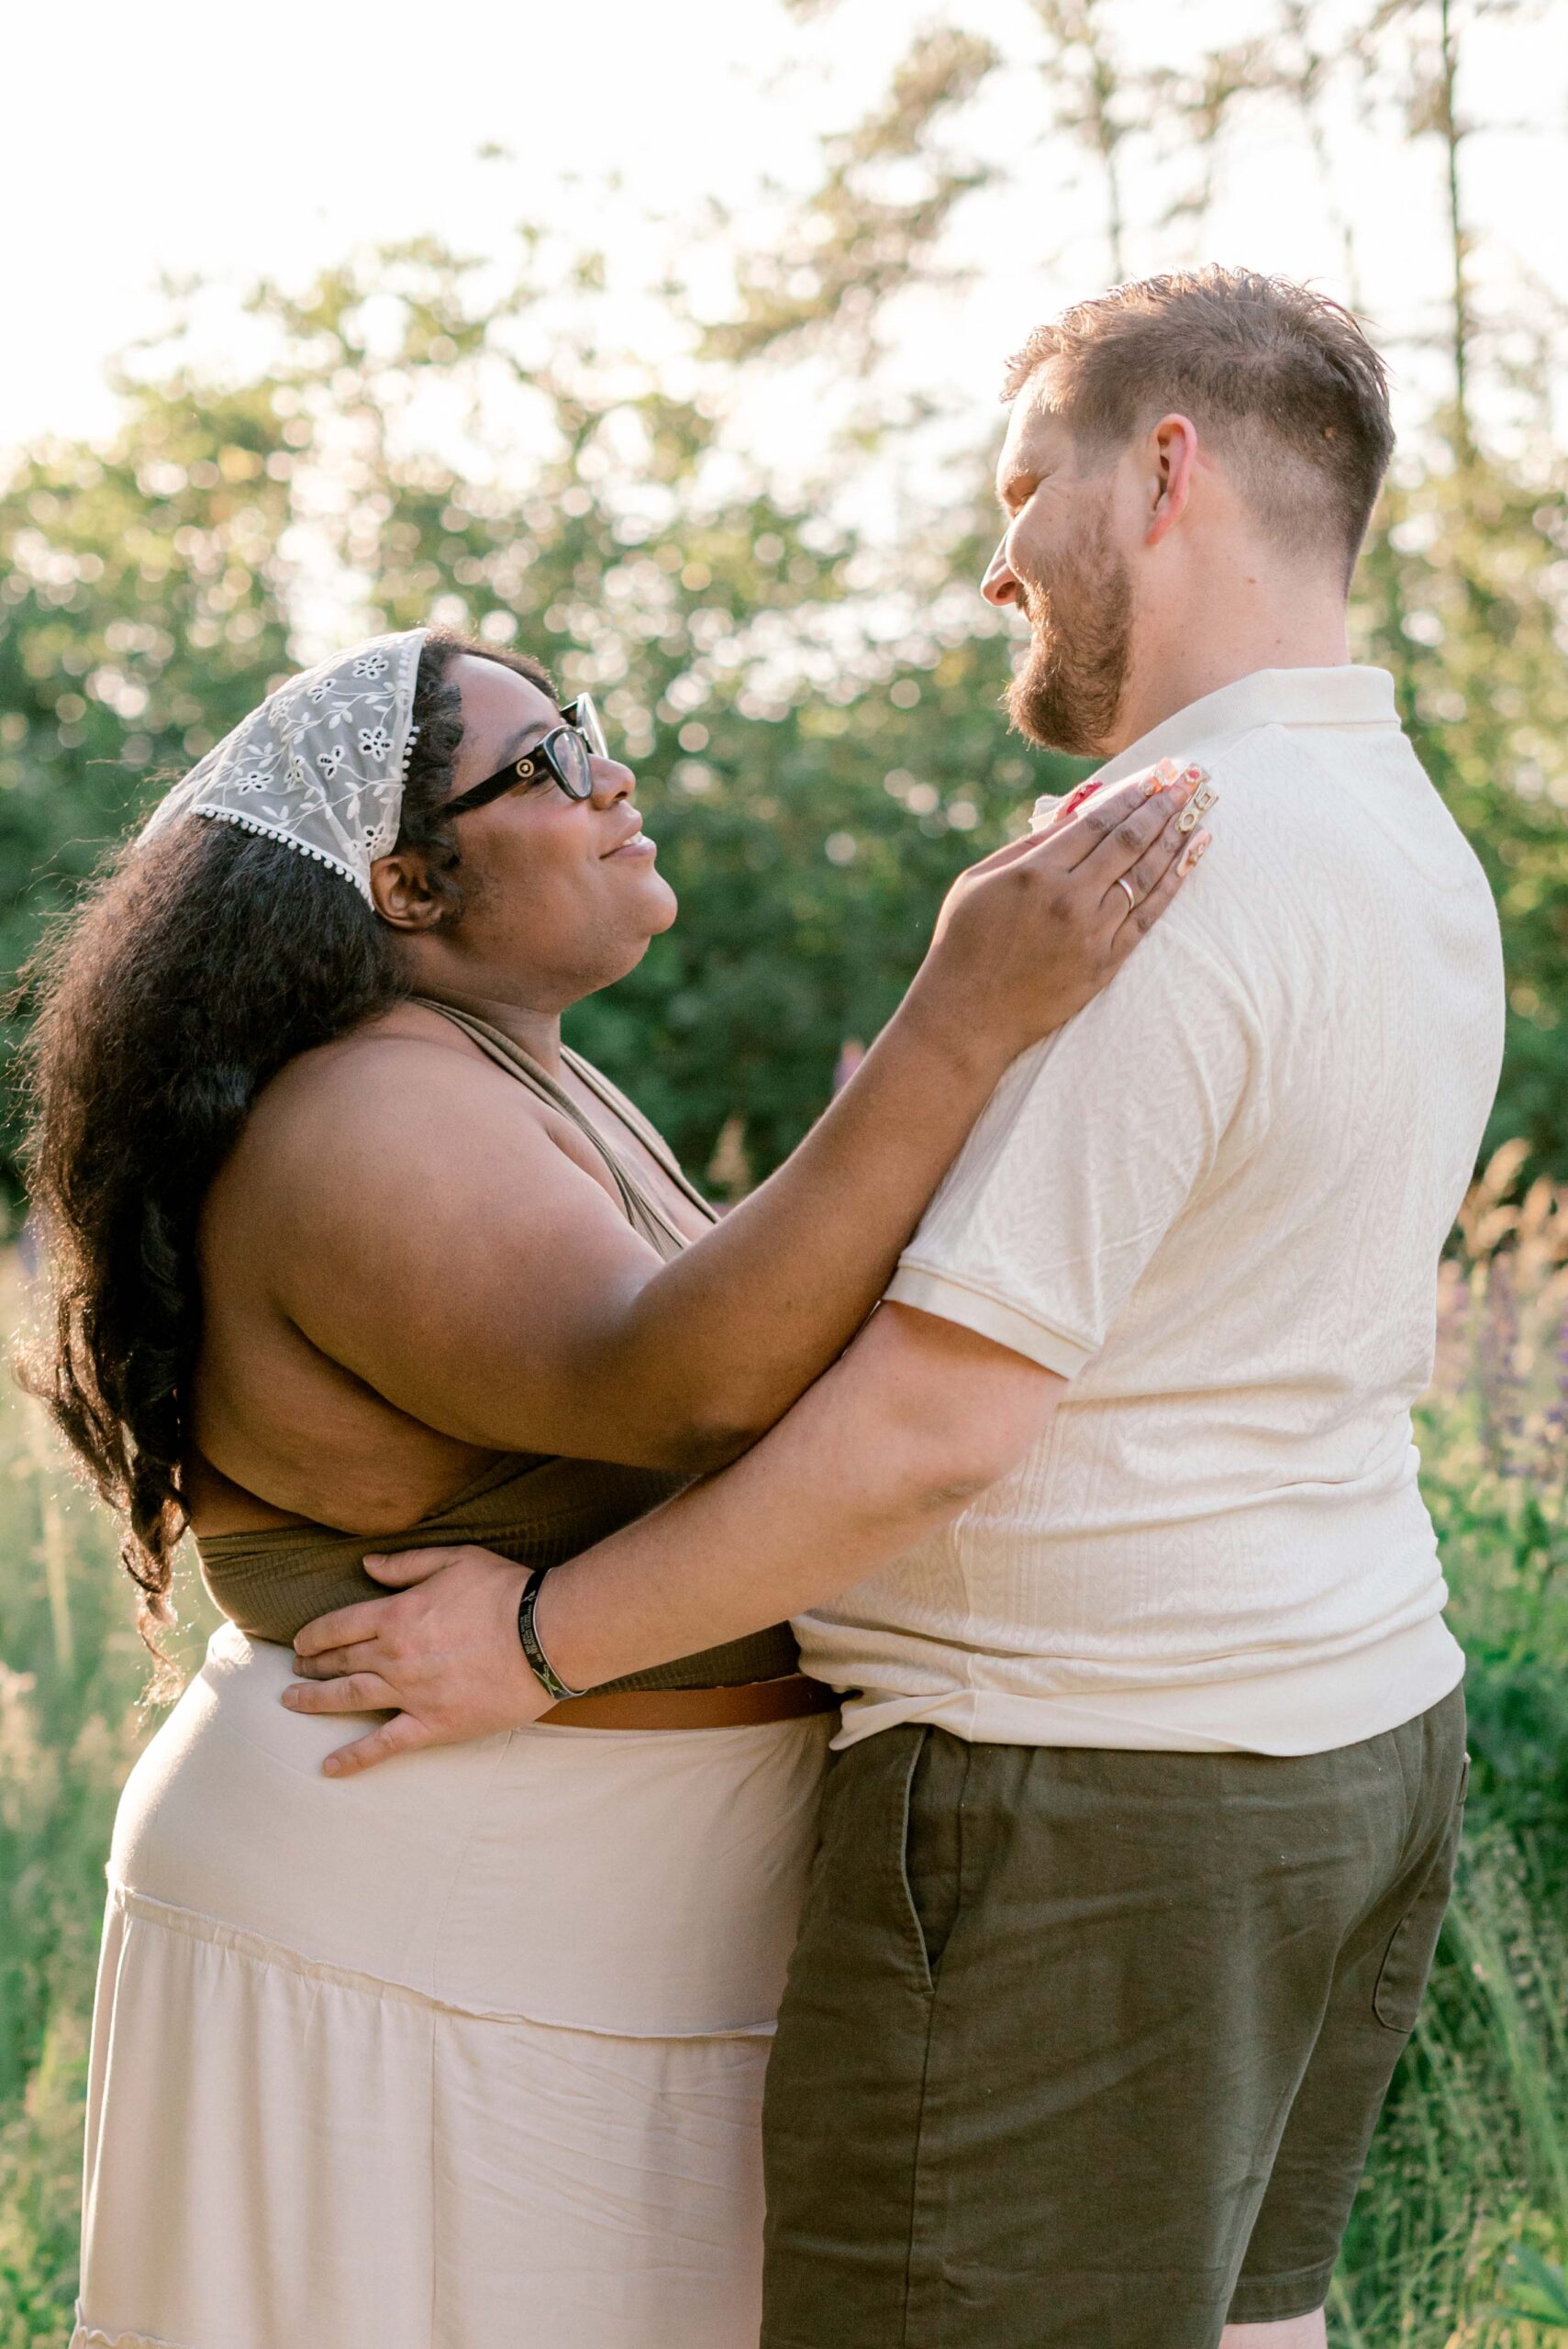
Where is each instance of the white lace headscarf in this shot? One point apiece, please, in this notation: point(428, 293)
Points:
point(320, 765)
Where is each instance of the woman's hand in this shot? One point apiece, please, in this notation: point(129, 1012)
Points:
point(1028, 936)
point(443, 1656)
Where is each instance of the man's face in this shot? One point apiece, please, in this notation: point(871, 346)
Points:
point(1059, 564)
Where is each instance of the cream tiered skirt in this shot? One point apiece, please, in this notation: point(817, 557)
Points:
point(465, 2053)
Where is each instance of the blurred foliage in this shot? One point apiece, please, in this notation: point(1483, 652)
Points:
point(1462, 595)
point(1495, 1442)
point(861, 235)
point(1463, 588)
point(818, 732)
point(813, 707)
point(816, 719)
point(1461, 2227)
point(72, 1672)
point(140, 607)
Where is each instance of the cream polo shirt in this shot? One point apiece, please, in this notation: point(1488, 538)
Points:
point(1215, 1203)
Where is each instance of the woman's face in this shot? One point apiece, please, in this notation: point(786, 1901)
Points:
point(561, 897)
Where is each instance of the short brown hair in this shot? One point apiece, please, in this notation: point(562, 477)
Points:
point(1284, 379)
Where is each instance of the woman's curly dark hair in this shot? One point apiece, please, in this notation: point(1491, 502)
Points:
point(202, 961)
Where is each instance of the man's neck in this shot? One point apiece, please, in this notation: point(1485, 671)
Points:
point(1290, 626)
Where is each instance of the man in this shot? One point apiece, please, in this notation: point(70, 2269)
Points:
point(1143, 1819)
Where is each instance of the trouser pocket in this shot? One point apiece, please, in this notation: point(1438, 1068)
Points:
point(931, 1844)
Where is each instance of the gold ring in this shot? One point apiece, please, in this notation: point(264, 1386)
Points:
point(1123, 882)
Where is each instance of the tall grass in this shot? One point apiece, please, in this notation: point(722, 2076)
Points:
point(72, 1673)
point(1460, 2236)
point(1461, 2227)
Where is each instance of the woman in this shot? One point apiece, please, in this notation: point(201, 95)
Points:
point(344, 1243)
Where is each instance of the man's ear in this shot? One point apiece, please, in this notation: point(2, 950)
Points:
point(1173, 448)
point(401, 892)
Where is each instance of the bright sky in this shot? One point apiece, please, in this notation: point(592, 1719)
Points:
point(183, 137)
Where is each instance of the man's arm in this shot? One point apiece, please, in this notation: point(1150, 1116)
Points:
point(916, 1419)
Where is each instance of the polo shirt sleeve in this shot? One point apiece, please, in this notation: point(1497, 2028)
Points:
point(1087, 1153)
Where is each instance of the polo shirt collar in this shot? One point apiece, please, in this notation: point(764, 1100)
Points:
point(1346, 696)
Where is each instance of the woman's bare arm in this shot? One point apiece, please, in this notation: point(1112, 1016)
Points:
point(470, 1271)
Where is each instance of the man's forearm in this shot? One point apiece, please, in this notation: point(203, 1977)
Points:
point(918, 1417)
point(866, 1463)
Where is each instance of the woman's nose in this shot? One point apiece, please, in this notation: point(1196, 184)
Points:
point(611, 782)
point(1000, 583)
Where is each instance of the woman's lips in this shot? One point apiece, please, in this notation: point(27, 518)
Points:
point(638, 845)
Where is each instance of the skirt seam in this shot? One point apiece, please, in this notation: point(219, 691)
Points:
point(255, 1947)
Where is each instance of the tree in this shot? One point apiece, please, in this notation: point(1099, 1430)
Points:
point(1458, 596)
point(814, 710)
point(143, 608)
point(1462, 591)
point(823, 744)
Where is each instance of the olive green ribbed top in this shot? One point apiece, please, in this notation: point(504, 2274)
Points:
point(534, 1509)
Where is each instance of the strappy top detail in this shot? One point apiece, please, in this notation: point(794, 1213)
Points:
point(643, 1209)
point(534, 1509)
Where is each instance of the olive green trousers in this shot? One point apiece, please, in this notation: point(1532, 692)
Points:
point(1084, 2050)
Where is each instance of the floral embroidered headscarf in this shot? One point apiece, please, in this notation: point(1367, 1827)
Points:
point(320, 765)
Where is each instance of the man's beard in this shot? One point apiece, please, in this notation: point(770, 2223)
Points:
point(1067, 694)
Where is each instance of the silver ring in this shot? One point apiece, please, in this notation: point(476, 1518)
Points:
point(1123, 882)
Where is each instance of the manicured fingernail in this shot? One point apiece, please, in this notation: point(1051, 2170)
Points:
point(1203, 797)
point(1194, 851)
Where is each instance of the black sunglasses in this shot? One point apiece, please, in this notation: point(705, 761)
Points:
point(565, 755)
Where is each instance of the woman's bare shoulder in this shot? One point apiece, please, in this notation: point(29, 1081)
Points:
point(373, 1075)
point(380, 1051)
point(369, 1121)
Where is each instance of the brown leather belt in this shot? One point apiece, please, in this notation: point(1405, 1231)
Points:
point(758, 1701)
